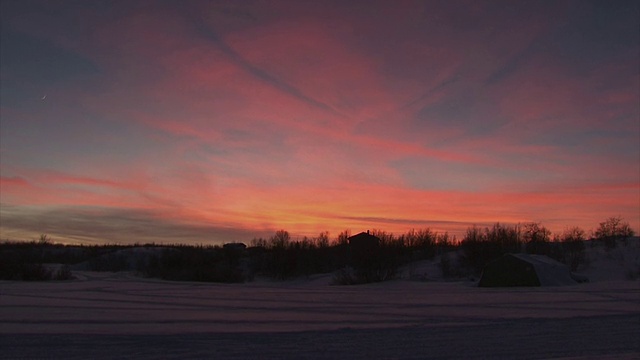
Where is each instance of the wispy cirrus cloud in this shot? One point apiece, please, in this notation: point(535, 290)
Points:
point(326, 116)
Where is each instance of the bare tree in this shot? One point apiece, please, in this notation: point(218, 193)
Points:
point(322, 241)
point(612, 229)
point(343, 237)
point(535, 232)
point(573, 234)
point(280, 239)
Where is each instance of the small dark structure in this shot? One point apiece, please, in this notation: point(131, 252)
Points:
point(364, 249)
point(525, 270)
point(368, 261)
point(364, 241)
point(234, 246)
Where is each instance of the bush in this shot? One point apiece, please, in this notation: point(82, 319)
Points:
point(344, 276)
point(63, 273)
point(355, 276)
point(445, 265)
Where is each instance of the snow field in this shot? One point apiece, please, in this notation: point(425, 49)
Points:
point(106, 315)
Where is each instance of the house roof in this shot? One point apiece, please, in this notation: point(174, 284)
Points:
point(364, 241)
point(364, 235)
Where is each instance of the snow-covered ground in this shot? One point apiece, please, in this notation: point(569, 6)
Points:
point(115, 315)
point(120, 315)
point(621, 262)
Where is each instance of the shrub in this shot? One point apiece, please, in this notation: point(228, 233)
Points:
point(364, 275)
point(63, 273)
point(344, 276)
point(445, 265)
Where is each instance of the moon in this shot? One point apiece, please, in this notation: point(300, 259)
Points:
point(44, 97)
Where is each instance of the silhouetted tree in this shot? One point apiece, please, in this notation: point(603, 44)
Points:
point(421, 244)
point(572, 248)
point(613, 229)
point(537, 239)
point(481, 247)
point(280, 239)
point(44, 240)
point(343, 237)
point(322, 241)
point(258, 242)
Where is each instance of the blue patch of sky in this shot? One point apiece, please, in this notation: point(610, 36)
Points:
point(513, 65)
point(466, 109)
point(70, 141)
point(442, 86)
point(31, 66)
point(42, 132)
point(453, 109)
point(596, 33)
point(435, 175)
point(34, 59)
point(593, 33)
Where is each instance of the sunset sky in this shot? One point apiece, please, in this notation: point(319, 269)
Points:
point(217, 121)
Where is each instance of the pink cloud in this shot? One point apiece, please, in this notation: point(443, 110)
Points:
point(13, 181)
point(297, 116)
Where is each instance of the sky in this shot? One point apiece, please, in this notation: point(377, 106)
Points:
point(216, 121)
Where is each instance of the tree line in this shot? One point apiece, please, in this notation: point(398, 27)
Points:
point(280, 257)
